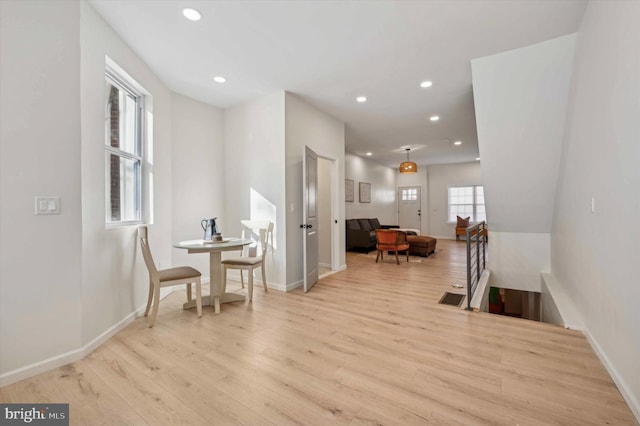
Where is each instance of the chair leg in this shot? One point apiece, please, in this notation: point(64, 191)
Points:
point(407, 254)
point(250, 289)
point(378, 256)
point(198, 297)
point(156, 302)
point(188, 292)
point(216, 304)
point(149, 299)
point(264, 278)
point(242, 277)
point(397, 260)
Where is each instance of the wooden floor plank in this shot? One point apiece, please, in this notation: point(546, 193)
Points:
point(366, 346)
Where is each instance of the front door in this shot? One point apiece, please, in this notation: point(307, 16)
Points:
point(409, 207)
point(310, 217)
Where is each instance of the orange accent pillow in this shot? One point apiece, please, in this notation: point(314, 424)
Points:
point(463, 223)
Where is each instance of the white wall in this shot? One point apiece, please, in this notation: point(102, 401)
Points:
point(383, 181)
point(324, 212)
point(517, 259)
point(90, 280)
point(41, 271)
point(417, 179)
point(114, 278)
point(594, 256)
point(198, 162)
point(520, 101)
point(305, 125)
point(254, 165)
point(440, 177)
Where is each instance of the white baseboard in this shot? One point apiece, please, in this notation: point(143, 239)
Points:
point(440, 237)
point(270, 285)
point(294, 284)
point(39, 367)
point(572, 319)
point(324, 265)
point(629, 397)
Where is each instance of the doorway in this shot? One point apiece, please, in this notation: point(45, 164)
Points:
point(409, 207)
point(320, 217)
point(324, 216)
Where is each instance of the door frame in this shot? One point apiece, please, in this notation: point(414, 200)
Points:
point(335, 209)
point(310, 272)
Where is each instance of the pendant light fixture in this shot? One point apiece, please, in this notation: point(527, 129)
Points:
point(408, 166)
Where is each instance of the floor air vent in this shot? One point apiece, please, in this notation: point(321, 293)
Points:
point(452, 299)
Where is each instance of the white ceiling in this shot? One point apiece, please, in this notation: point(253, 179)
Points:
point(329, 52)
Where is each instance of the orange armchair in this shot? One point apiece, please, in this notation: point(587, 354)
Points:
point(390, 239)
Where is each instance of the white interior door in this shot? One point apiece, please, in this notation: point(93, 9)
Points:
point(409, 207)
point(310, 217)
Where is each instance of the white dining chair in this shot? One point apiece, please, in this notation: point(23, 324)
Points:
point(167, 277)
point(252, 261)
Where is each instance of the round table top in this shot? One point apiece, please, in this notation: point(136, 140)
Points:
point(212, 245)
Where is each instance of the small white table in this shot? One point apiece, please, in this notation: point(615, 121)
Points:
point(215, 250)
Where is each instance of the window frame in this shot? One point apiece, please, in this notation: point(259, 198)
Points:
point(474, 204)
point(123, 82)
point(410, 192)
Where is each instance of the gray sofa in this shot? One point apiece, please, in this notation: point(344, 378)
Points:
point(361, 233)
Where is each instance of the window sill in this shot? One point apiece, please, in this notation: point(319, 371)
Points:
point(115, 225)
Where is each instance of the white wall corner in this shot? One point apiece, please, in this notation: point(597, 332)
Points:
point(293, 285)
point(567, 314)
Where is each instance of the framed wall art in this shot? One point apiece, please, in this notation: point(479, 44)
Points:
point(365, 192)
point(348, 190)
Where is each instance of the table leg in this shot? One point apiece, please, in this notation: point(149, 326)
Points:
point(215, 281)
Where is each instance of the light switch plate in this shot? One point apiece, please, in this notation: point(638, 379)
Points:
point(47, 205)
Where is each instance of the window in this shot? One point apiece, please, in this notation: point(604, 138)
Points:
point(467, 201)
point(409, 194)
point(123, 151)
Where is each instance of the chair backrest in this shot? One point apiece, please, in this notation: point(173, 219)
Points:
point(386, 236)
point(146, 251)
point(390, 236)
point(264, 229)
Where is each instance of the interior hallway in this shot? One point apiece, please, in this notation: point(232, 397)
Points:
point(369, 345)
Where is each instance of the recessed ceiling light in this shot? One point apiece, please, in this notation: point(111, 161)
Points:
point(369, 154)
point(361, 99)
point(477, 158)
point(434, 118)
point(191, 14)
point(426, 84)
point(457, 143)
point(219, 79)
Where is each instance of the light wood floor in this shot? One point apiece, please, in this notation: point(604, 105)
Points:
point(366, 346)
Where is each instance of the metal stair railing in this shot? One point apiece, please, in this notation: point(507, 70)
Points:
point(476, 239)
